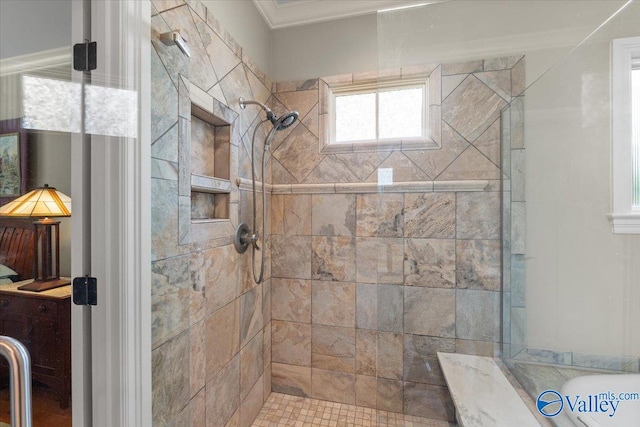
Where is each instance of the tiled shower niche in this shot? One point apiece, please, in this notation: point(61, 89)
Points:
point(209, 209)
point(210, 163)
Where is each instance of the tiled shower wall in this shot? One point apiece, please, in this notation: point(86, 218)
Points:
point(369, 282)
point(211, 330)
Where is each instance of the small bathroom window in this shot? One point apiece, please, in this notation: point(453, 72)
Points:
point(625, 76)
point(381, 112)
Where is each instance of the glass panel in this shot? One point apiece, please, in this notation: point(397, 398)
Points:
point(635, 109)
point(39, 103)
point(529, 270)
point(401, 113)
point(356, 117)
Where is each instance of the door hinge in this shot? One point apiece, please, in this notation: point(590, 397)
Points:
point(85, 56)
point(85, 291)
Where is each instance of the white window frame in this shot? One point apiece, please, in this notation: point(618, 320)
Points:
point(625, 218)
point(357, 89)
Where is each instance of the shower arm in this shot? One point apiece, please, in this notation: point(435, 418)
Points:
point(245, 102)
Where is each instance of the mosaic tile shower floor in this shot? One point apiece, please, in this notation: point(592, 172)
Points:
point(284, 410)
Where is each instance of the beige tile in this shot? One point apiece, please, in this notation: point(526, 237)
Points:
point(433, 162)
point(170, 295)
point(430, 263)
point(389, 395)
point(402, 169)
point(290, 379)
point(379, 260)
point(489, 143)
point(366, 391)
point(170, 379)
point(420, 358)
point(301, 101)
point(362, 164)
point(222, 337)
point(251, 314)
point(333, 348)
point(366, 352)
point(333, 258)
point(330, 170)
point(223, 394)
point(478, 215)
point(198, 409)
point(291, 214)
point(197, 357)
point(430, 215)
point(379, 215)
point(429, 311)
point(333, 386)
point(478, 348)
point(291, 258)
point(251, 405)
point(333, 303)
point(333, 214)
point(471, 108)
point(518, 80)
point(471, 164)
point(497, 81)
point(298, 153)
point(428, 400)
point(291, 300)
point(390, 355)
point(251, 364)
point(478, 264)
point(366, 306)
point(291, 343)
point(221, 278)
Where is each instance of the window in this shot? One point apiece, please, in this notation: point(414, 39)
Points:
point(626, 135)
point(635, 125)
point(383, 112)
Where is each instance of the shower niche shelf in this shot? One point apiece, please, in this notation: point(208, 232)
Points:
point(210, 166)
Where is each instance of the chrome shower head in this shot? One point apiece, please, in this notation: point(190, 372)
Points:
point(285, 120)
point(279, 123)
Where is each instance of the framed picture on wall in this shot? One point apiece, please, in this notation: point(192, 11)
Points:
point(13, 160)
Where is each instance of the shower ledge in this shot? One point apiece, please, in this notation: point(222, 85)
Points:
point(482, 395)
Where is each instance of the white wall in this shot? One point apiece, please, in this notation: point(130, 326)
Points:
point(325, 49)
point(583, 282)
point(28, 26)
point(436, 33)
point(244, 22)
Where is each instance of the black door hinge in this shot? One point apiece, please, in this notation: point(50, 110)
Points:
point(85, 56)
point(85, 291)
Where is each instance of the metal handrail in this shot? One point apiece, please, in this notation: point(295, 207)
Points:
point(20, 380)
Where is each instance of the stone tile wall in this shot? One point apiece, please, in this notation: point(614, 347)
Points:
point(369, 283)
point(211, 323)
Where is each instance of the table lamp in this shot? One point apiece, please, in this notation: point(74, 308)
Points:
point(43, 203)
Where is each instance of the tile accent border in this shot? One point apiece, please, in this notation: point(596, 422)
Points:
point(372, 187)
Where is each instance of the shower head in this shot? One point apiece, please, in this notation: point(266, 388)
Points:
point(285, 120)
point(279, 123)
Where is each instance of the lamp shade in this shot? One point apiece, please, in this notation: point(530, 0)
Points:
point(42, 202)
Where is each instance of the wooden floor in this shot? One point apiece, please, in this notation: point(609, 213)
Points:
point(46, 410)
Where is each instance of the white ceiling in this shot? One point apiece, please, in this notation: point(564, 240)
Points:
point(289, 13)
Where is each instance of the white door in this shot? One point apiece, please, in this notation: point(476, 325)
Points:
point(111, 177)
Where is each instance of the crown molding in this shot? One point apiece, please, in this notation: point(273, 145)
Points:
point(295, 13)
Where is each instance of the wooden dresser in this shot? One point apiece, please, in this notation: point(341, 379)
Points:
point(42, 322)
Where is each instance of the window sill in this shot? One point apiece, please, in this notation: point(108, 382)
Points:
point(625, 223)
